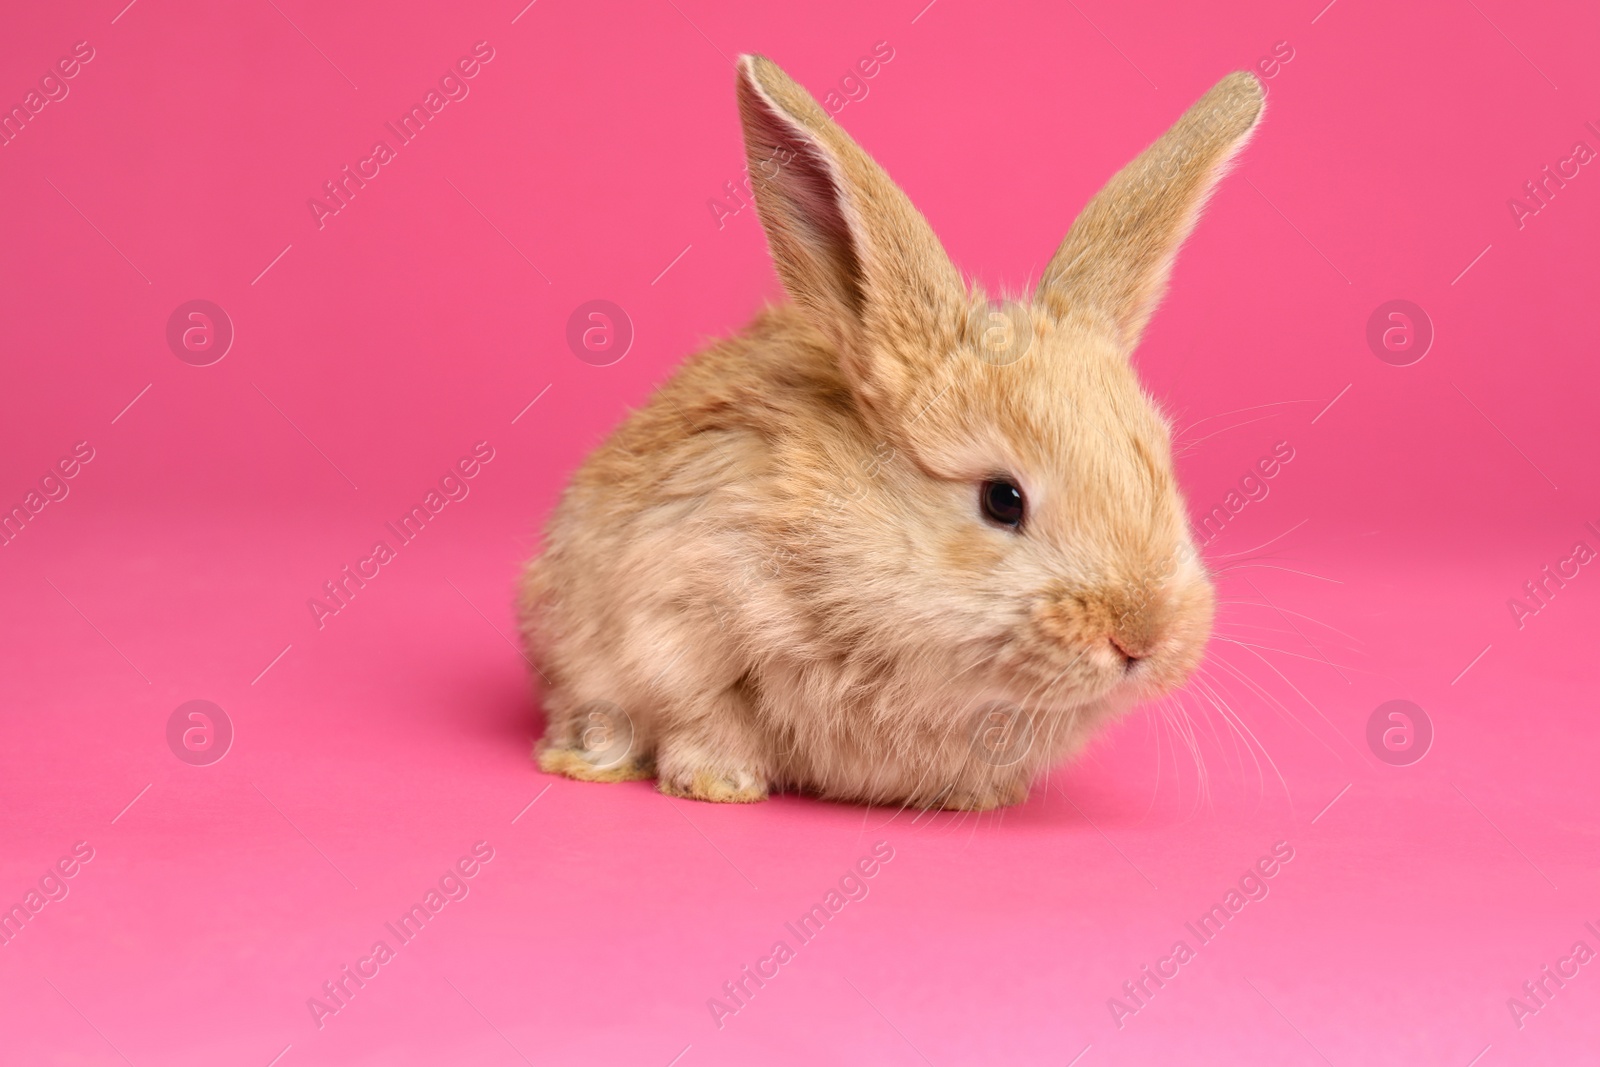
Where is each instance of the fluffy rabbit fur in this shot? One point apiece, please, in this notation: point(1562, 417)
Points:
point(777, 574)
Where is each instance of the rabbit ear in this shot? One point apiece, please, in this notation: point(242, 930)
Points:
point(1114, 263)
point(850, 248)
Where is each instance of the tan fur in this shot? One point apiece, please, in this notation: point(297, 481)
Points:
point(778, 567)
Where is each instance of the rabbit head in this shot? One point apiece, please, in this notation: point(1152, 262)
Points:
point(1041, 528)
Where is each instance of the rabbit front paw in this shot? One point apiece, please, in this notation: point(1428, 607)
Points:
point(716, 787)
point(586, 766)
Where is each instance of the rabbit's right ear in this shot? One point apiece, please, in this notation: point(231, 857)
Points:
point(851, 249)
point(1114, 264)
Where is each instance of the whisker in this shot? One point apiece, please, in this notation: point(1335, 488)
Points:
point(1286, 652)
point(1236, 411)
point(1299, 615)
point(1264, 544)
point(1268, 567)
point(1301, 695)
point(1183, 725)
point(1205, 694)
point(1155, 788)
point(1252, 685)
point(1231, 716)
point(1186, 447)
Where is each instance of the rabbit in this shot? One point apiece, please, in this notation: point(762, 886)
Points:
point(894, 543)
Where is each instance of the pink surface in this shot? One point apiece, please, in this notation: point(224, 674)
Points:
point(372, 754)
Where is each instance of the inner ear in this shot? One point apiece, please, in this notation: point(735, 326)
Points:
point(805, 194)
point(820, 202)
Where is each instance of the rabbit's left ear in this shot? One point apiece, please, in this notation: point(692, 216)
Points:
point(851, 249)
point(1114, 264)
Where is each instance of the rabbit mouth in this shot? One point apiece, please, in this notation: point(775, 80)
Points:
point(1069, 676)
point(1074, 674)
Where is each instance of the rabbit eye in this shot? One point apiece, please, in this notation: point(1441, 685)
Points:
point(1002, 502)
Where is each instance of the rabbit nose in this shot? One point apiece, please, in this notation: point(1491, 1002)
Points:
point(1135, 628)
point(1108, 618)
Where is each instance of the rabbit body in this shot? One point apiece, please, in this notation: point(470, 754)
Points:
point(789, 569)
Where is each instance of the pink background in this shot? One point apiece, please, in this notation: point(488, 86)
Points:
point(427, 314)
